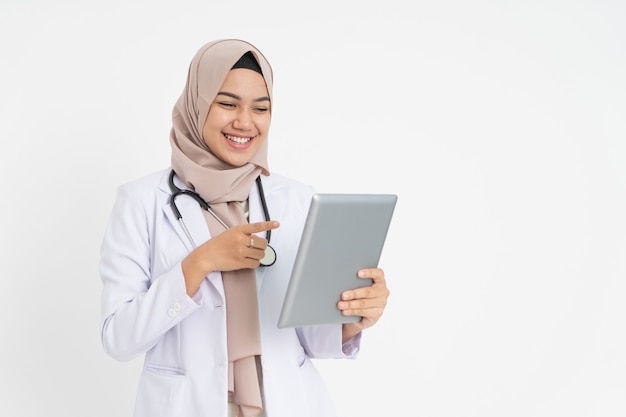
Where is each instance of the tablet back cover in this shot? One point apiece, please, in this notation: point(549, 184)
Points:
point(343, 233)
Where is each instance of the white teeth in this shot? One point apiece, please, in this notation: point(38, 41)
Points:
point(237, 139)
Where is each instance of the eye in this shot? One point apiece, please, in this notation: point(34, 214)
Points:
point(261, 109)
point(227, 104)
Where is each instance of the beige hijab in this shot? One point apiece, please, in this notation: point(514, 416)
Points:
point(223, 186)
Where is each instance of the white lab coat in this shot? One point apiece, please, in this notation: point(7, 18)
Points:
point(145, 309)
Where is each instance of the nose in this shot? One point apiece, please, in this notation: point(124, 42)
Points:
point(243, 121)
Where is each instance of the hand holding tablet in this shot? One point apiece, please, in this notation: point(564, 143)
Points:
point(343, 234)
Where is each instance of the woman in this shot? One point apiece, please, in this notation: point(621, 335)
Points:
point(190, 295)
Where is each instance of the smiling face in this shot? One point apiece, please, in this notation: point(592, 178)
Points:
point(239, 118)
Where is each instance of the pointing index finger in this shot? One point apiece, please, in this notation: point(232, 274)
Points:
point(260, 226)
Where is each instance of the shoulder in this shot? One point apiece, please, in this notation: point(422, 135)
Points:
point(292, 195)
point(147, 188)
point(287, 187)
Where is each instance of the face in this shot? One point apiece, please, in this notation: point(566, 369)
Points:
point(239, 118)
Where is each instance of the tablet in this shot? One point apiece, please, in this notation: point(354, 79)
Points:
point(342, 234)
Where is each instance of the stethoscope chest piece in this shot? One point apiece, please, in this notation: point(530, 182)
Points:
point(269, 258)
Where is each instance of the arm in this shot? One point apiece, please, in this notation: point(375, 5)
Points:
point(139, 303)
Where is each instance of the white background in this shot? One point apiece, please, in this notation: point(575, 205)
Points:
point(500, 125)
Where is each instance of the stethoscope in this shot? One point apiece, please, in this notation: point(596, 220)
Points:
point(270, 253)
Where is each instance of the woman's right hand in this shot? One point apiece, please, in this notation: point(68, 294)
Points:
point(236, 248)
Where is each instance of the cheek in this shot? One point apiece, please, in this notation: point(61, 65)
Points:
point(212, 126)
point(264, 125)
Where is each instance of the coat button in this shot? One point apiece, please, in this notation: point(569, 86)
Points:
point(171, 312)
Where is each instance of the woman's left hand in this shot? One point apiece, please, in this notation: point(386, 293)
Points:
point(368, 302)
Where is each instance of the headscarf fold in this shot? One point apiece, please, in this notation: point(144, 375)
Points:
point(223, 186)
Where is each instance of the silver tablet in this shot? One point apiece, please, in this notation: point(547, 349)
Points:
point(342, 234)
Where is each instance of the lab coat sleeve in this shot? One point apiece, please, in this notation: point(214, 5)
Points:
point(137, 309)
point(324, 342)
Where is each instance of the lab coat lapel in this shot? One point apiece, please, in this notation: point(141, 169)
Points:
point(191, 213)
point(193, 218)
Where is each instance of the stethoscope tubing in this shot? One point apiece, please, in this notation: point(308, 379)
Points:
point(176, 192)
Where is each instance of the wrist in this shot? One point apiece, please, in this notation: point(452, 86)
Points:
point(348, 331)
point(195, 269)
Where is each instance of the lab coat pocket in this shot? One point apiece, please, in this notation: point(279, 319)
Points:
point(161, 392)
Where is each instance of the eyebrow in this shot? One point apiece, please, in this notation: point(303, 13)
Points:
point(236, 97)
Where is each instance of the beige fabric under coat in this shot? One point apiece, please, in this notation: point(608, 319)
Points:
point(222, 186)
